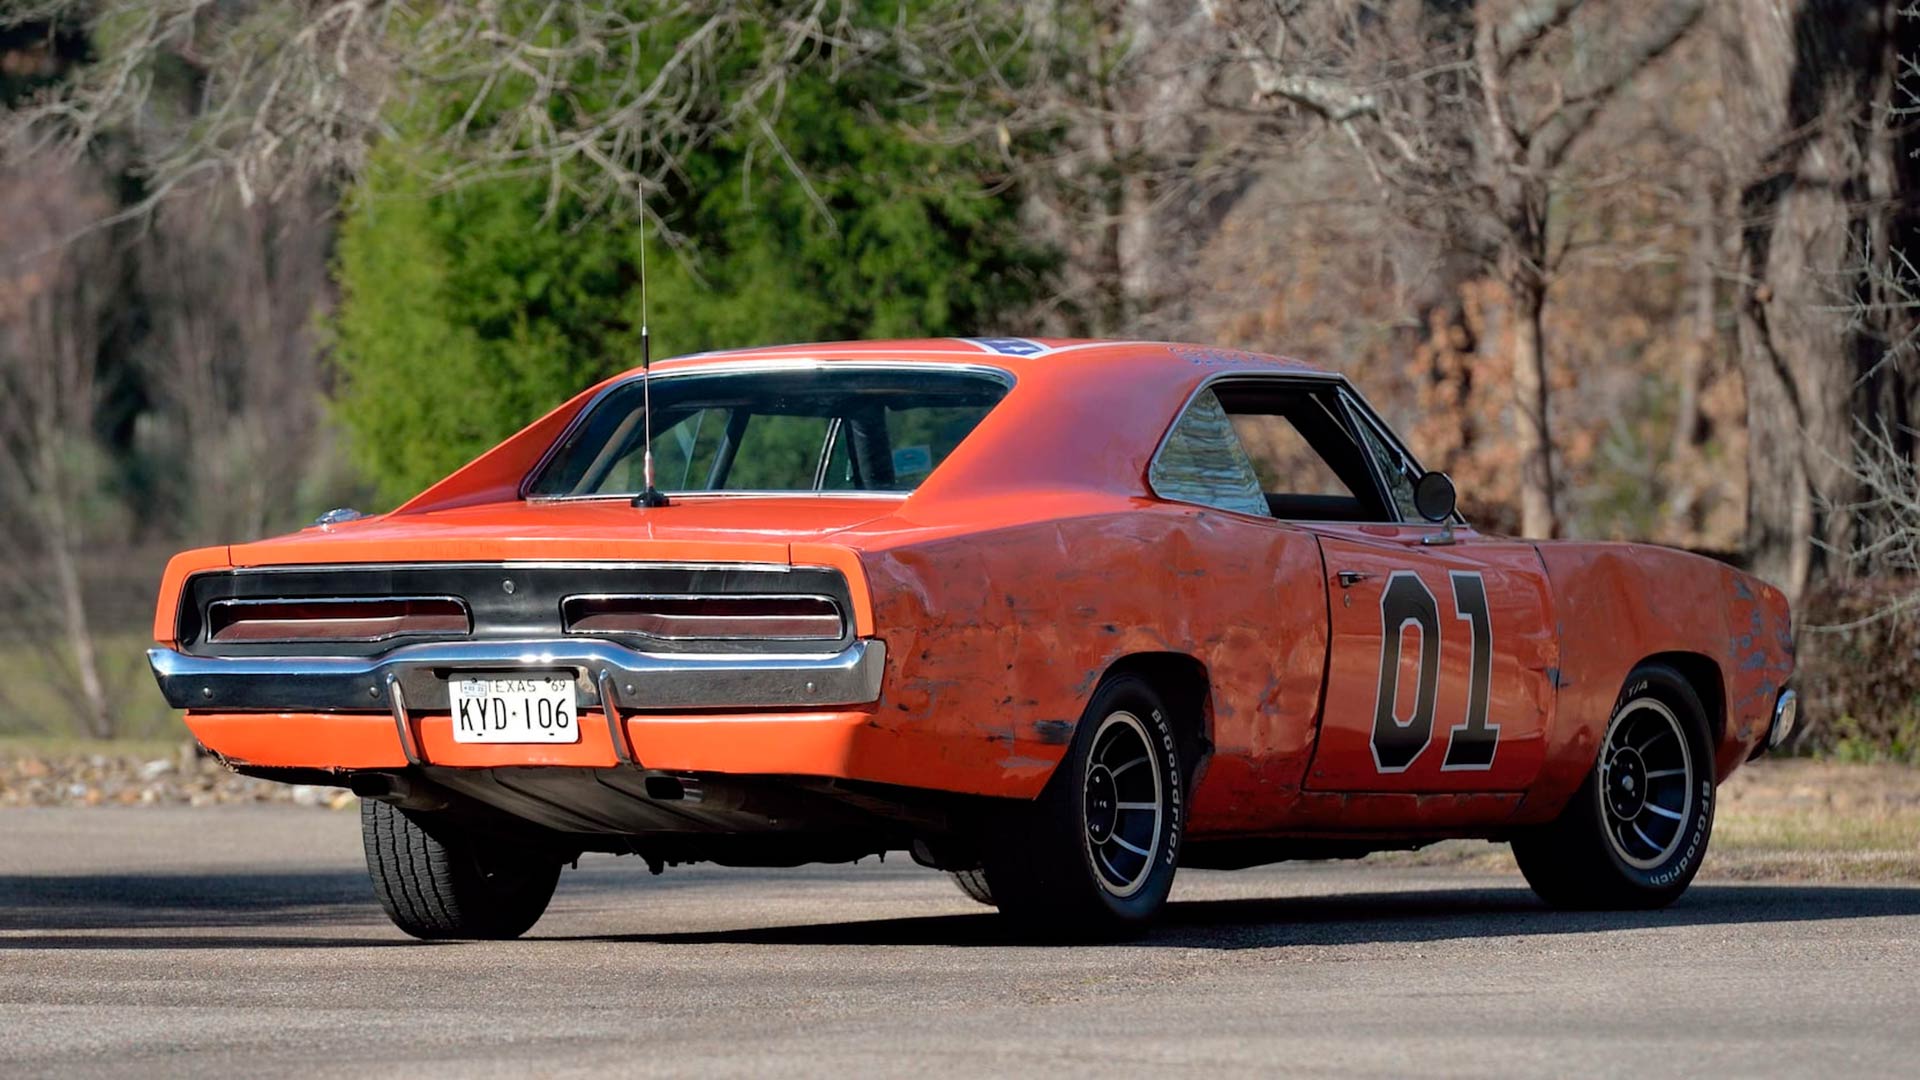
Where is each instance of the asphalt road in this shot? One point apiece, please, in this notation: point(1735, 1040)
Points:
point(245, 941)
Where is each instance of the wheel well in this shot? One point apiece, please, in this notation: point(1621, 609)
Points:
point(1183, 681)
point(1703, 674)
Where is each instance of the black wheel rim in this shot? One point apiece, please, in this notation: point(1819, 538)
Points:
point(1646, 783)
point(1121, 794)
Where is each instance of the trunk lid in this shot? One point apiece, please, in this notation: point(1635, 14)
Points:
point(694, 529)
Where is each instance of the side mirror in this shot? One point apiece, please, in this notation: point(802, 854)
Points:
point(1433, 496)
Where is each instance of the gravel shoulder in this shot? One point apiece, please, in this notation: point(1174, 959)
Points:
point(73, 772)
point(1787, 821)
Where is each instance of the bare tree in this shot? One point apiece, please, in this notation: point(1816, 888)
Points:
point(233, 358)
point(599, 100)
point(1827, 220)
point(1102, 109)
point(1465, 114)
point(1887, 479)
point(52, 309)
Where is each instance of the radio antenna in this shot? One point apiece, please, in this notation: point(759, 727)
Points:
point(652, 496)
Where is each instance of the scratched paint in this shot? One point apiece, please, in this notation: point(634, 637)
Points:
point(1006, 663)
point(1619, 604)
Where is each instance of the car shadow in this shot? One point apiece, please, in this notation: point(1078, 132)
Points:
point(63, 912)
point(1397, 917)
point(331, 909)
point(151, 901)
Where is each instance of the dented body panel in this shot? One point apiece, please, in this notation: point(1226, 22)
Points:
point(1618, 604)
point(1035, 561)
point(1001, 637)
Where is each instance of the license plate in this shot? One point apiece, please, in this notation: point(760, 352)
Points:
point(500, 710)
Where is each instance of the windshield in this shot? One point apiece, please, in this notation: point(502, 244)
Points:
point(829, 428)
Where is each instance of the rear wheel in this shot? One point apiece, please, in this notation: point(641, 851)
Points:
point(1095, 854)
point(1637, 830)
point(439, 883)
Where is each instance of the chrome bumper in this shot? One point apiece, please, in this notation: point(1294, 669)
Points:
point(1786, 711)
point(419, 672)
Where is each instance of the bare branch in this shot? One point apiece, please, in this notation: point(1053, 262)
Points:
point(602, 100)
point(1556, 132)
point(1885, 473)
point(1527, 26)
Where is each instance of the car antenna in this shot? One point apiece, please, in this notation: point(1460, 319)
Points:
point(652, 496)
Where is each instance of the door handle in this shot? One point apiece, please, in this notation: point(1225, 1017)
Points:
point(1349, 578)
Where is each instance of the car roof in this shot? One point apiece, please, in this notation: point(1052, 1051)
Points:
point(1015, 354)
point(1082, 416)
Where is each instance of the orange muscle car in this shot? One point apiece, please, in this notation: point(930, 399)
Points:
point(1056, 617)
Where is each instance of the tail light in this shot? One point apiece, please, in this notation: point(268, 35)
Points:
point(724, 618)
point(350, 619)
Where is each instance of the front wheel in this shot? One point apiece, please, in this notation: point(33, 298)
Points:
point(1095, 854)
point(440, 883)
point(1636, 832)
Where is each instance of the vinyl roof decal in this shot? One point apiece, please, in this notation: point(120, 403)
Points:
point(1010, 346)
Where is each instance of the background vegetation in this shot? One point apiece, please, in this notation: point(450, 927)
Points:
point(1625, 268)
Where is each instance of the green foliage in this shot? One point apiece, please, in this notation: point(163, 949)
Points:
point(466, 314)
point(1859, 675)
point(462, 317)
point(1894, 740)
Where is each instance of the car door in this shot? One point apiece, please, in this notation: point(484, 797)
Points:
point(1443, 656)
point(1441, 649)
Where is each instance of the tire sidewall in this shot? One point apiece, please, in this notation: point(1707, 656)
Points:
point(1673, 874)
point(1133, 695)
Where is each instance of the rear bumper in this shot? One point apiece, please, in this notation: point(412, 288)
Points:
point(419, 673)
point(833, 743)
point(318, 712)
point(807, 716)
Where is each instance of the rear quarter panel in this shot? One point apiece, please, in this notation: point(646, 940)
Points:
point(997, 638)
point(1618, 604)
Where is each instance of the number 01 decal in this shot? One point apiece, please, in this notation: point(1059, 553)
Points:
point(1398, 743)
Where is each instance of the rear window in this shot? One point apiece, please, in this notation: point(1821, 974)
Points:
point(829, 428)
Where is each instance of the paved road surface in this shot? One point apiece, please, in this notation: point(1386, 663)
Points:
point(244, 941)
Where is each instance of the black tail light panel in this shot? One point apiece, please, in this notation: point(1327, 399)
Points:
point(706, 618)
point(796, 609)
point(334, 619)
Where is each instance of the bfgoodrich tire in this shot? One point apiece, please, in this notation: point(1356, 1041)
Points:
point(437, 883)
point(1636, 832)
point(1094, 856)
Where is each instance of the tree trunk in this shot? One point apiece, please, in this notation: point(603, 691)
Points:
point(1532, 434)
point(1807, 79)
point(1685, 472)
point(1522, 202)
point(97, 715)
point(1701, 332)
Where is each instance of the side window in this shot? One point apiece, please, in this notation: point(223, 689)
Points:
point(1311, 465)
point(1394, 469)
point(1283, 460)
point(1203, 462)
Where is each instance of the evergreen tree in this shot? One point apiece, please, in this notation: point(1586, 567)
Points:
point(465, 314)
